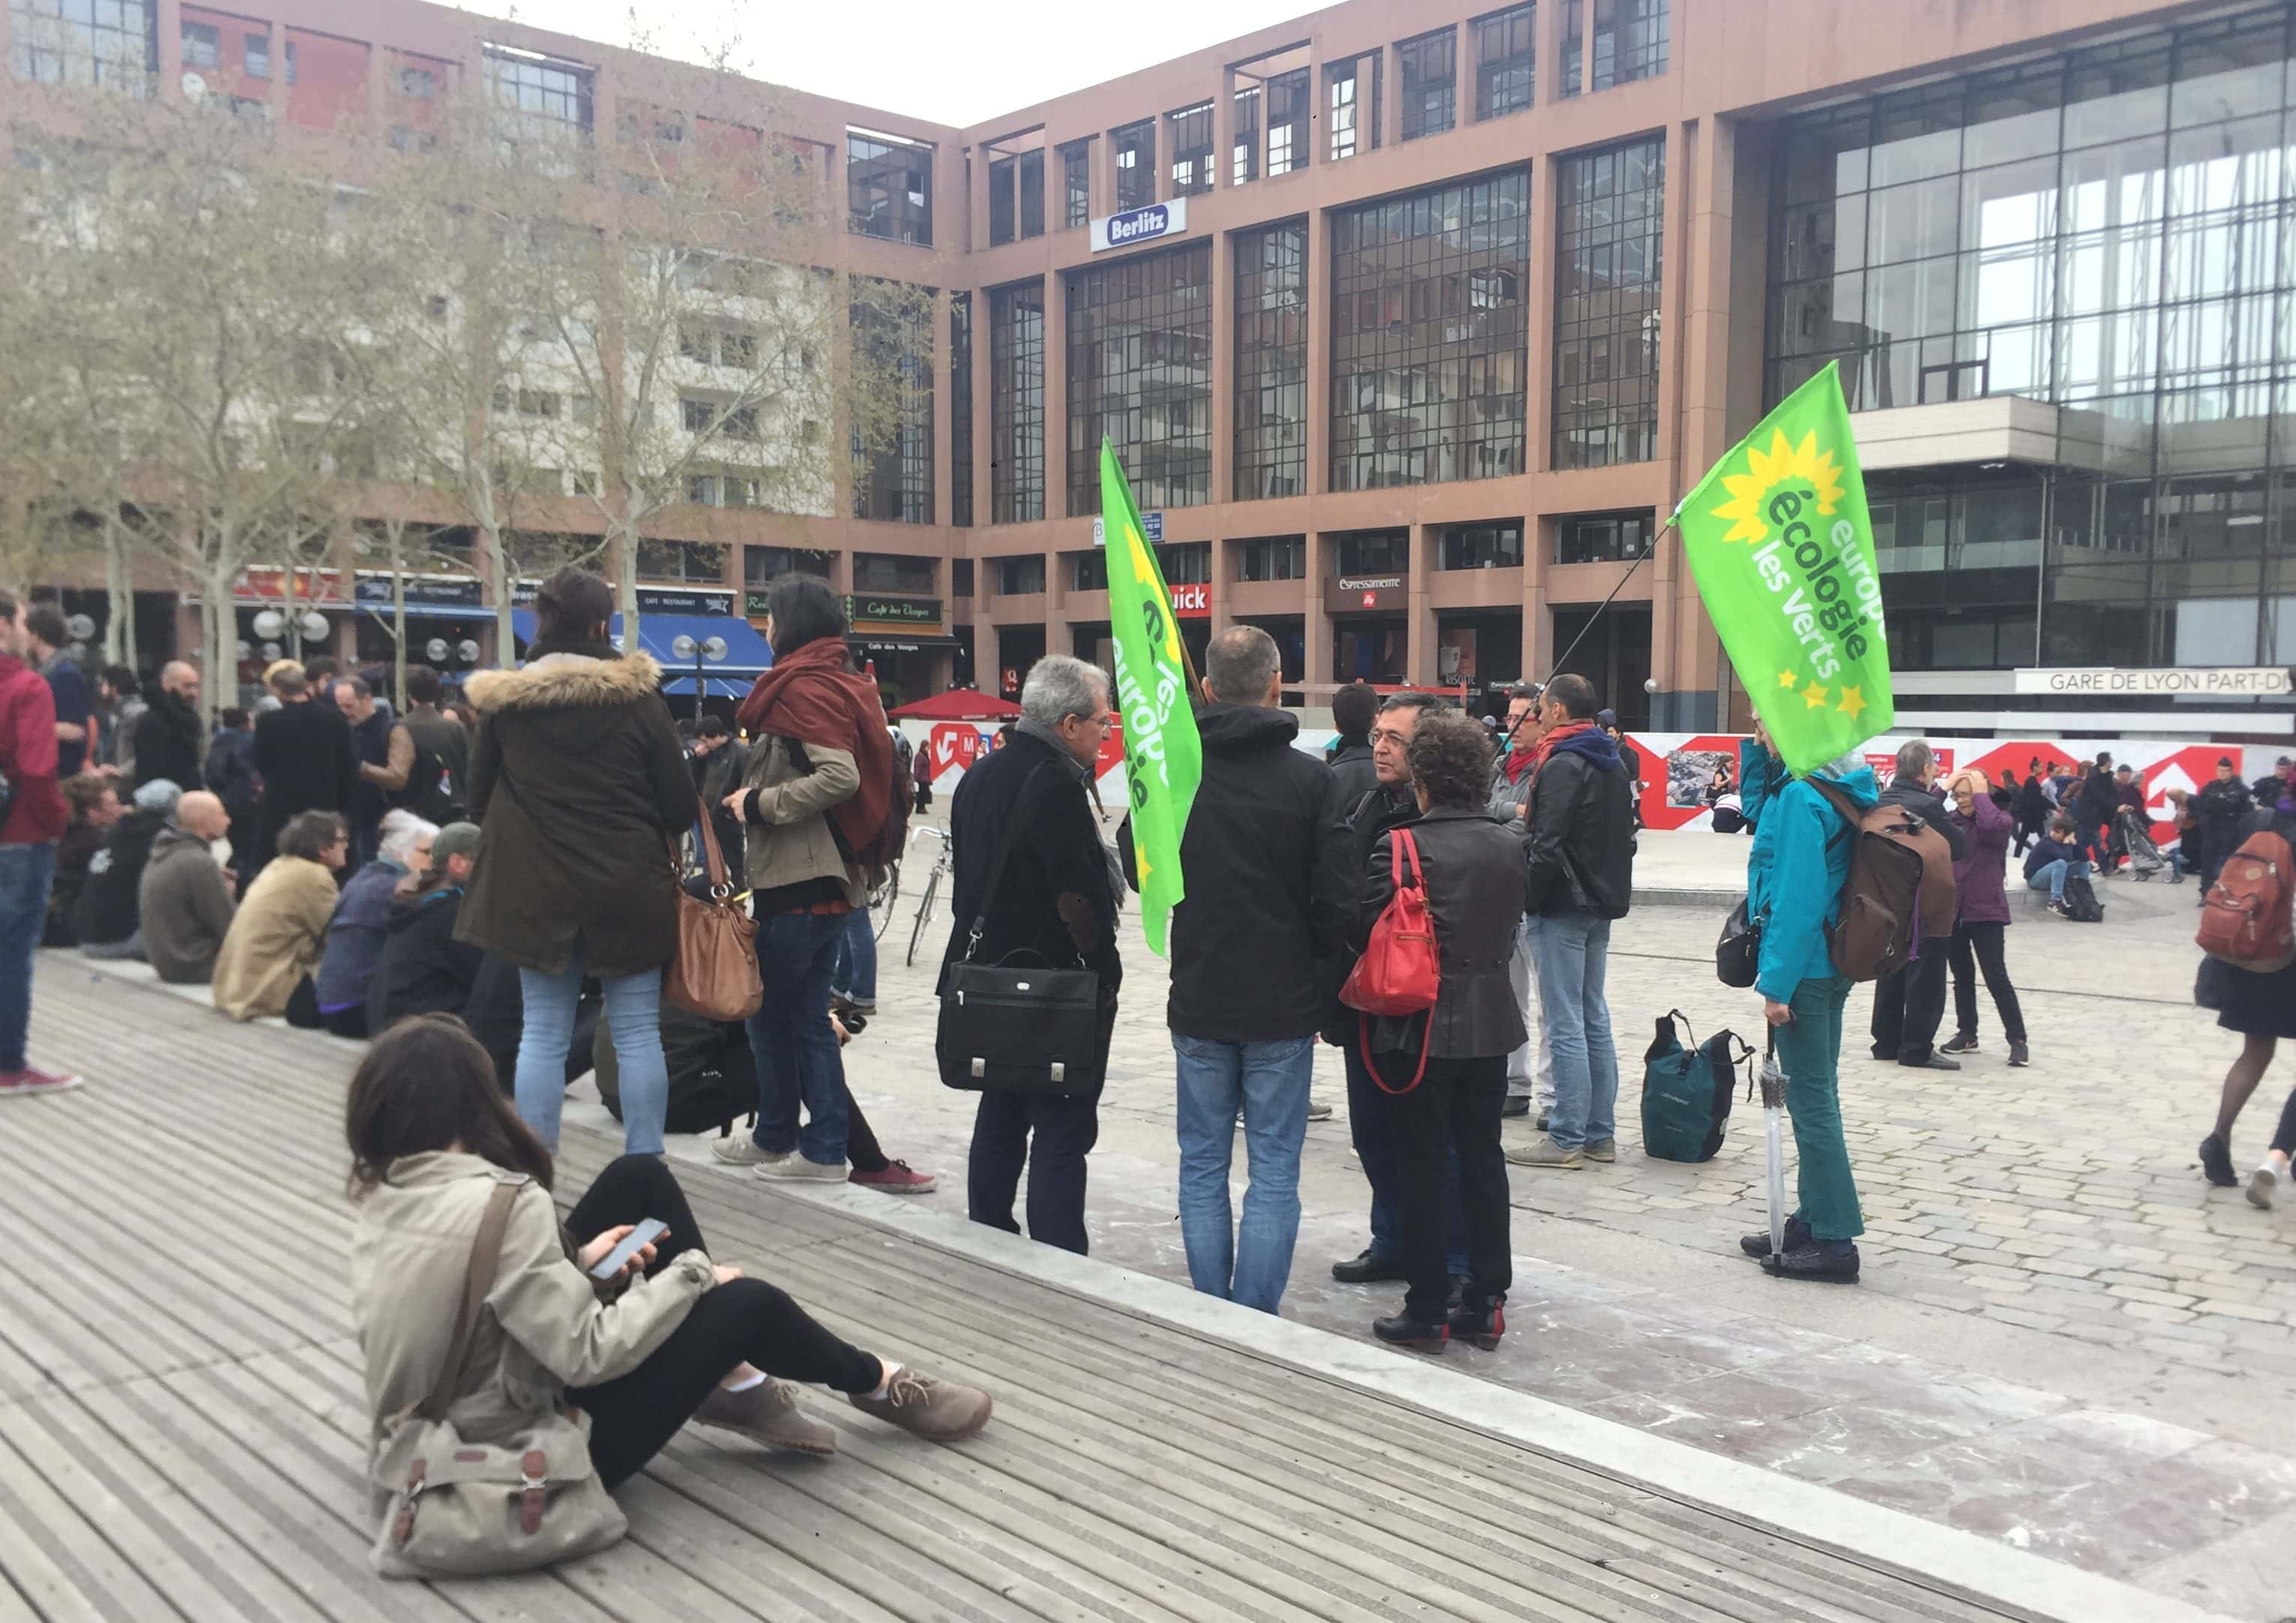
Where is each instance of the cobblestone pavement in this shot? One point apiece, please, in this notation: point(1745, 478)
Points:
point(2063, 1338)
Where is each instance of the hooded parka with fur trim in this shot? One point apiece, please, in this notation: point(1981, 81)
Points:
point(580, 787)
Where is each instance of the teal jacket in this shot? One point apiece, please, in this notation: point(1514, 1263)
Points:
point(1799, 864)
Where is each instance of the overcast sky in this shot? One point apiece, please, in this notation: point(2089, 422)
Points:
point(949, 62)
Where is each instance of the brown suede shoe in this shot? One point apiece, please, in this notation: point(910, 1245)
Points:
point(767, 1413)
point(940, 1411)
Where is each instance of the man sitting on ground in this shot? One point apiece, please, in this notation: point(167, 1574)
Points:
point(185, 896)
point(107, 917)
point(95, 811)
point(2055, 859)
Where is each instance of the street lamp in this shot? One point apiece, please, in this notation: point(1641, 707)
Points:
point(709, 648)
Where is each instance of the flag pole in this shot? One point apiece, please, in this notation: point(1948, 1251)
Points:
point(1648, 547)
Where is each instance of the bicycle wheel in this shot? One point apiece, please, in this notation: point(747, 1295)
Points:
point(924, 912)
point(881, 900)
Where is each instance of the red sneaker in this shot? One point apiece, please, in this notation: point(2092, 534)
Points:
point(897, 1178)
point(22, 1084)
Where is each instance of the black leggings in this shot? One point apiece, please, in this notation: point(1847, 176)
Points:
point(742, 1321)
point(1984, 942)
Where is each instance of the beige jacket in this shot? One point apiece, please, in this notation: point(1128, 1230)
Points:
point(544, 1329)
point(789, 841)
point(273, 939)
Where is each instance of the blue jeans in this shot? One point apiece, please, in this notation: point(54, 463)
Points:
point(790, 1037)
point(1572, 951)
point(855, 979)
point(2051, 876)
point(633, 1011)
point(1269, 1082)
point(27, 874)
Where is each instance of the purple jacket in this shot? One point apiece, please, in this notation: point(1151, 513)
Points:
point(1978, 877)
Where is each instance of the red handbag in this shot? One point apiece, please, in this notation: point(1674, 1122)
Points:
point(1401, 969)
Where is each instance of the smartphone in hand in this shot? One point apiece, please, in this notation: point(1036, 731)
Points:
point(613, 1262)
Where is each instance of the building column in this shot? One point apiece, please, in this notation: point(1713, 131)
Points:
point(1056, 397)
point(1224, 130)
point(1316, 622)
point(1419, 623)
point(1695, 295)
point(1546, 49)
point(1221, 371)
point(1539, 294)
point(1223, 572)
point(946, 383)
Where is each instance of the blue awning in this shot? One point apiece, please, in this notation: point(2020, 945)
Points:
point(736, 688)
point(746, 651)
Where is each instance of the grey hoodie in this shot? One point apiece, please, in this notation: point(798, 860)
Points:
point(184, 906)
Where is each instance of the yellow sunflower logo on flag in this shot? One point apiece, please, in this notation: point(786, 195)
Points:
point(1785, 462)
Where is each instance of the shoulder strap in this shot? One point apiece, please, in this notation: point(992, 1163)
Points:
point(486, 1256)
point(713, 859)
point(1015, 823)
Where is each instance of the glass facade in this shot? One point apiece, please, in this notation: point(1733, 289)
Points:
point(2113, 231)
point(1601, 538)
point(1428, 330)
point(1497, 546)
point(1628, 43)
point(1959, 551)
point(1290, 105)
point(1272, 558)
point(888, 188)
point(1244, 165)
point(1606, 310)
point(892, 340)
point(960, 408)
point(1076, 182)
point(1428, 69)
point(1505, 59)
point(1136, 164)
point(1016, 403)
point(1191, 133)
point(534, 96)
point(1140, 372)
point(896, 573)
point(1016, 197)
point(1271, 361)
point(1021, 577)
point(1351, 88)
point(111, 43)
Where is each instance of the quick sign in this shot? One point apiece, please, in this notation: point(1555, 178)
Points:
point(1137, 225)
point(1151, 529)
point(1191, 603)
point(2217, 682)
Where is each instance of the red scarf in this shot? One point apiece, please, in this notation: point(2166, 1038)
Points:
point(1519, 760)
point(1544, 747)
point(813, 696)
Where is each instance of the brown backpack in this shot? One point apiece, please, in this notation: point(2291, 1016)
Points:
point(1900, 890)
point(2245, 919)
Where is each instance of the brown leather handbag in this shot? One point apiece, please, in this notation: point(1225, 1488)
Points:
point(714, 974)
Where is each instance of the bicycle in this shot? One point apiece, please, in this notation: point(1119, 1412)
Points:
point(882, 899)
point(932, 885)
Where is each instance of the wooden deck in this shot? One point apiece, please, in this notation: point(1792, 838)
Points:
point(181, 1427)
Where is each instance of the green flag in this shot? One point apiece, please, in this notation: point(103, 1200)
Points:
point(1163, 758)
point(1777, 536)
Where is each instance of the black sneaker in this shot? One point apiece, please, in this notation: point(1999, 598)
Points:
point(2019, 1055)
point(1405, 1331)
point(1960, 1042)
point(1544, 1118)
point(1483, 1326)
point(1369, 1269)
point(2215, 1161)
point(1517, 1105)
point(1757, 1246)
point(1815, 1259)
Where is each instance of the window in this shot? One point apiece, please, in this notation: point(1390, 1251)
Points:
point(960, 577)
point(1136, 164)
point(1428, 330)
point(764, 565)
point(892, 339)
point(1020, 577)
point(1375, 552)
point(202, 45)
point(1032, 193)
point(1351, 89)
point(533, 96)
point(1601, 538)
point(420, 83)
point(1606, 310)
point(1088, 571)
point(1481, 546)
point(1185, 563)
point(1629, 42)
point(536, 403)
point(1191, 129)
point(1271, 361)
point(1016, 403)
point(255, 50)
point(1505, 59)
point(888, 188)
point(960, 408)
point(729, 487)
point(114, 44)
point(1002, 212)
point(1275, 558)
point(1016, 197)
point(1290, 104)
point(1428, 70)
point(896, 573)
point(1244, 168)
point(1076, 182)
point(291, 65)
point(701, 563)
point(706, 417)
point(403, 138)
point(1139, 371)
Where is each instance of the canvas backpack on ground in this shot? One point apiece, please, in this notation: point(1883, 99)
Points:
point(2245, 920)
point(2081, 906)
point(1900, 890)
point(1686, 1092)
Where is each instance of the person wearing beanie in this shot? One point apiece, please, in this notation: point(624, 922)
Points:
point(423, 968)
point(108, 918)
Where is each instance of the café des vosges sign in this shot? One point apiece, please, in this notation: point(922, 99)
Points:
point(1135, 226)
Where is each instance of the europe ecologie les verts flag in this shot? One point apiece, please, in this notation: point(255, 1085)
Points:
point(1777, 536)
point(1164, 757)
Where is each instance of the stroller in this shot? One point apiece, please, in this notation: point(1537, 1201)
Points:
point(2132, 839)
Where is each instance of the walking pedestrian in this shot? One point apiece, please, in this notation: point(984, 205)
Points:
point(2093, 808)
point(2032, 807)
point(1530, 1069)
point(1055, 899)
point(816, 801)
point(2261, 1007)
point(35, 820)
point(1252, 948)
point(1446, 1125)
point(1909, 1001)
point(579, 791)
point(1982, 918)
point(1580, 847)
point(1794, 879)
point(304, 758)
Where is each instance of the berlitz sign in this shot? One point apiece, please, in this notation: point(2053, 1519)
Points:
point(2217, 682)
point(1136, 225)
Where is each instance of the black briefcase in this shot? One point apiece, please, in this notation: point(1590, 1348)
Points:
point(1021, 1027)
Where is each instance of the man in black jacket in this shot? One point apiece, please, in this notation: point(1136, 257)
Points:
point(169, 733)
point(1254, 950)
point(1578, 842)
point(1909, 1003)
point(1055, 897)
point(1353, 708)
point(303, 754)
point(2093, 810)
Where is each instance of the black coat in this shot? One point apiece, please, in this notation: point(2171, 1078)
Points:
point(2221, 807)
point(580, 786)
point(1930, 806)
point(1367, 819)
point(1259, 944)
point(1352, 770)
point(422, 970)
point(109, 910)
point(1477, 888)
point(303, 754)
point(1580, 840)
point(1055, 897)
point(168, 738)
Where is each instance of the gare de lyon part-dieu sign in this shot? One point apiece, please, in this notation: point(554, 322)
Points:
point(2215, 681)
